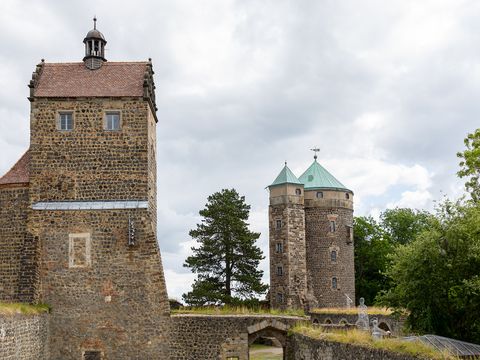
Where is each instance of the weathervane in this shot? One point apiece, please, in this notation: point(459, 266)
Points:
point(95, 22)
point(315, 150)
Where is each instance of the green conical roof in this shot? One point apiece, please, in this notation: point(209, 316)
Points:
point(286, 176)
point(317, 177)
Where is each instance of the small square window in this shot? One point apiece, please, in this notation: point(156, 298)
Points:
point(279, 248)
point(319, 194)
point(333, 226)
point(347, 196)
point(279, 270)
point(112, 120)
point(65, 121)
point(278, 224)
point(298, 191)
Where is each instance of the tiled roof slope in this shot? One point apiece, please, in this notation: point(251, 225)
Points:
point(116, 79)
point(19, 173)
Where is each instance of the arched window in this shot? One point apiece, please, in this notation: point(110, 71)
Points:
point(319, 194)
point(334, 283)
point(333, 255)
point(298, 191)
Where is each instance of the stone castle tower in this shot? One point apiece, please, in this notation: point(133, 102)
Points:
point(311, 240)
point(78, 214)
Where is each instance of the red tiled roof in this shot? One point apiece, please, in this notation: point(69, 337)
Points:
point(114, 79)
point(19, 173)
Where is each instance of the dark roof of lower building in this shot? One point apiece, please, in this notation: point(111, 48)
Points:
point(112, 79)
point(19, 173)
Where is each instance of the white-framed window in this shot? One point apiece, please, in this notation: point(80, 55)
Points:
point(279, 270)
point(79, 248)
point(65, 120)
point(278, 224)
point(333, 226)
point(319, 194)
point(334, 283)
point(279, 248)
point(112, 120)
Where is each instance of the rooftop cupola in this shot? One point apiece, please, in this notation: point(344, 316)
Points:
point(94, 48)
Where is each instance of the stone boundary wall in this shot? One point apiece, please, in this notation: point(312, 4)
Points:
point(24, 337)
point(395, 326)
point(306, 348)
point(210, 337)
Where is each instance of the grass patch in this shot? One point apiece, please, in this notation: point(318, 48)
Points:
point(353, 311)
point(21, 308)
point(363, 338)
point(264, 352)
point(237, 310)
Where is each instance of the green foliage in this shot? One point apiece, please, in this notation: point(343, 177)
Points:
point(436, 276)
point(470, 164)
point(227, 258)
point(372, 248)
point(22, 308)
point(402, 224)
point(376, 241)
point(238, 310)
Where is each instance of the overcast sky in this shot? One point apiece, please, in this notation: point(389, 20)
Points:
point(387, 90)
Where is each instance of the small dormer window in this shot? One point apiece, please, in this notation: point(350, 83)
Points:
point(112, 120)
point(65, 121)
point(319, 194)
point(298, 191)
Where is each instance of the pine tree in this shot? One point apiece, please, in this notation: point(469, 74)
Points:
point(227, 258)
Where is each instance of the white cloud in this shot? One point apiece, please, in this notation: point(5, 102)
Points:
point(388, 90)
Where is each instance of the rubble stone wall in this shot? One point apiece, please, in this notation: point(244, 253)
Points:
point(204, 337)
point(13, 228)
point(24, 337)
point(306, 348)
point(322, 268)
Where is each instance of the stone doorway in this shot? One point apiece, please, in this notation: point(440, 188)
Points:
point(267, 341)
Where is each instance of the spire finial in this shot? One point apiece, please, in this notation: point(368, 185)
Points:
point(315, 150)
point(94, 22)
point(285, 162)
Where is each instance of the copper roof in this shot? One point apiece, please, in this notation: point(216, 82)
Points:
point(112, 79)
point(19, 173)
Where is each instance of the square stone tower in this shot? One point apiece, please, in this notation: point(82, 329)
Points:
point(88, 209)
point(311, 238)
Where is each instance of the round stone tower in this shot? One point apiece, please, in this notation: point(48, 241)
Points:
point(328, 238)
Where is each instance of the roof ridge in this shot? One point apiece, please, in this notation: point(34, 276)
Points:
point(105, 63)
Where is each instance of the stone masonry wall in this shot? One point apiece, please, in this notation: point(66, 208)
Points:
point(291, 235)
point(89, 162)
point(320, 242)
point(203, 337)
point(107, 296)
point(24, 337)
point(13, 225)
point(117, 304)
point(306, 348)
